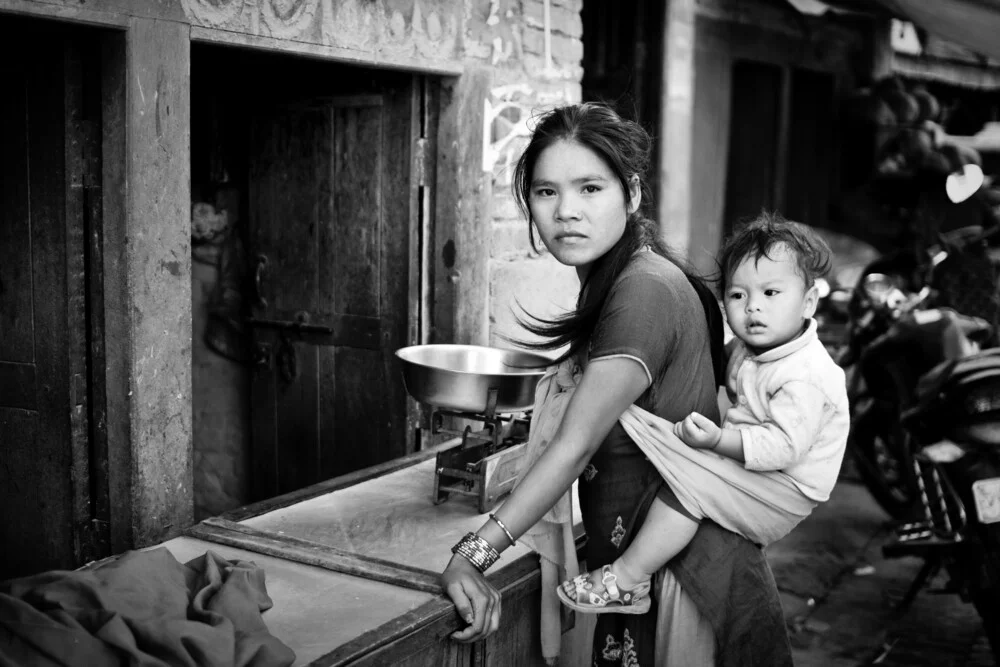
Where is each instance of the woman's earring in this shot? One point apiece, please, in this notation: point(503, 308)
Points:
point(635, 194)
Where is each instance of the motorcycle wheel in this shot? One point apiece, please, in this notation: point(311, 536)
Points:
point(988, 605)
point(882, 453)
point(985, 592)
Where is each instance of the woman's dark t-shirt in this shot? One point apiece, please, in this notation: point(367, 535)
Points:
point(654, 315)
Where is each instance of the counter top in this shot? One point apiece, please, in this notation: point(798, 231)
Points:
point(353, 563)
point(315, 609)
point(392, 518)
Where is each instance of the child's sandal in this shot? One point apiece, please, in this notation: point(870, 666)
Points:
point(578, 593)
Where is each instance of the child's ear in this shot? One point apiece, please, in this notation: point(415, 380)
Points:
point(634, 194)
point(811, 302)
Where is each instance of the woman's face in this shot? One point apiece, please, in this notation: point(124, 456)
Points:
point(577, 204)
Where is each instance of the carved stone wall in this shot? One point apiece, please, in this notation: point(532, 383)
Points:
point(392, 30)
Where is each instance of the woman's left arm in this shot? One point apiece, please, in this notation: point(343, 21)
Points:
point(607, 388)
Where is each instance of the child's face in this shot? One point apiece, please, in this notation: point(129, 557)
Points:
point(577, 204)
point(767, 301)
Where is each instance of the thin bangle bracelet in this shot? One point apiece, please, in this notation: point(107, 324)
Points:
point(504, 529)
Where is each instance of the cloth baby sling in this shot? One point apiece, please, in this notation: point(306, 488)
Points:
point(775, 503)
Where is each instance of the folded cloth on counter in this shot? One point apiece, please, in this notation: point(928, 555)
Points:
point(144, 609)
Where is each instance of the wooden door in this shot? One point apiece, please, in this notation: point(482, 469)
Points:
point(334, 211)
point(50, 485)
point(753, 140)
point(811, 163)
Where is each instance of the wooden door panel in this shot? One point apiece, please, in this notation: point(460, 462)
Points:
point(289, 181)
point(16, 336)
point(330, 210)
point(54, 514)
point(299, 435)
point(810, 161)
point(362, 416)
point(36, 284)
point(752, 165)
point(400, 221)
point(17, 382)
point(16, 329)
point(352, 240)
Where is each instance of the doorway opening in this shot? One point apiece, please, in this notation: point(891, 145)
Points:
point(309, 218)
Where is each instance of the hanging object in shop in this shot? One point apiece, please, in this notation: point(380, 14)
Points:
point(907, 120)
point(962, 184)
point(904, 38)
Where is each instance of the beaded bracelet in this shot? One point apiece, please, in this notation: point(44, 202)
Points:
point(504, 529)
point(477, 551)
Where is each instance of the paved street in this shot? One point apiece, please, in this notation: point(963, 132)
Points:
point(839, 595)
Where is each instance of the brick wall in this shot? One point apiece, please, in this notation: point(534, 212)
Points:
point(532, 73)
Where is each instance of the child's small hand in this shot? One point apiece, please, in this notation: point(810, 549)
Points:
point(698, 431)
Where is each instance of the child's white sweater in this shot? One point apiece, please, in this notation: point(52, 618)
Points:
point(790, 405)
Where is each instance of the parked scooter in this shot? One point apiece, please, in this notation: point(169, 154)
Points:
point(925, 433)
point(954, 431)
point(900, 325)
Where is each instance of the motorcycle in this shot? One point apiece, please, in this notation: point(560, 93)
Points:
point(902, 321)
point(954, 424)
point(924, 387)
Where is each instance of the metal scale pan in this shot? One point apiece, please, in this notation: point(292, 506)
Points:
point(481, 384)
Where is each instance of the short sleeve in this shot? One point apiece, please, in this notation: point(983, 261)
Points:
point(636, 322)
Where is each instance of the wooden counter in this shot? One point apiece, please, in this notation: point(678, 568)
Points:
point(352, 565)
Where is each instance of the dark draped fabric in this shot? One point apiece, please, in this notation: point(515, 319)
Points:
point(144, 609)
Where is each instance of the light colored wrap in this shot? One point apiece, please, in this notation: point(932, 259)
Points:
point(552, 536)
point(762, 506)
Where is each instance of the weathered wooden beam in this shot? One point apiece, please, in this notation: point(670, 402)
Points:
point(331, 485)
point(96, 12)
point(434, 620)
point(157, 272)
point(462, 221)
point(312, 30)
point(307, 552)
point(113, 286)
point(350, 56)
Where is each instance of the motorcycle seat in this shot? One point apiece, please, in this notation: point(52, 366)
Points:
point(939, 388)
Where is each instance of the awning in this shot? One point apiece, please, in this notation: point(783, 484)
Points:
point(962, 44)
point(974, 24)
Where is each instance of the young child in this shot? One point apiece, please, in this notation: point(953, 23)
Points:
point(779, 450)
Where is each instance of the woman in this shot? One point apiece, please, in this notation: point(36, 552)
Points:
point(644, 332)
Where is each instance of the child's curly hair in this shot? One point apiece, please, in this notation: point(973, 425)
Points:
point(760, 236)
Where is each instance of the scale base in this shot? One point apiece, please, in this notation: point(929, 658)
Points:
point(472, 471)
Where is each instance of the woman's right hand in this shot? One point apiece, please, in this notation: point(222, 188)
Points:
point(476, 601)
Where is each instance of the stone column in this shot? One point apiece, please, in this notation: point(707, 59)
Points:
point(462, 225)
point(157, 275)
point(676, 126)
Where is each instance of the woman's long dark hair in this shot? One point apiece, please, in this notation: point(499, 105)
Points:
point(625, 147)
